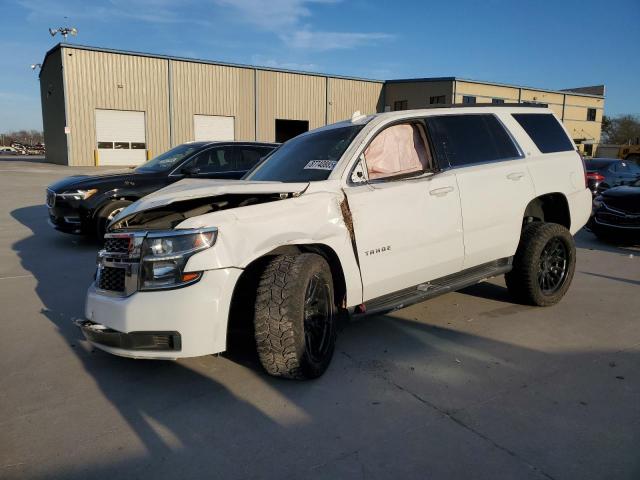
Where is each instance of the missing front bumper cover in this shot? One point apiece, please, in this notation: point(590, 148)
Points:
point(148, 341)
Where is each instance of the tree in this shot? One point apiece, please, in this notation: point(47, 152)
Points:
point(621, 130)
point(25, 137)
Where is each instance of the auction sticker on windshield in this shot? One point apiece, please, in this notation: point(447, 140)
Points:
point(321, 165)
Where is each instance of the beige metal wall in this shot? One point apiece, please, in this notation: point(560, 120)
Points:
point(416, 94)
point(289, 96)
point(53, 109)
point(485, 93)
point(204, 89)
point(575, 118)
point(100, 80)
point(347, 96)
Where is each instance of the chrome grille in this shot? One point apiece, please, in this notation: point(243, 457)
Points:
point(51, 198)
point(613, 219)
point(116, 245)
point(112, 278)
point(119, 264)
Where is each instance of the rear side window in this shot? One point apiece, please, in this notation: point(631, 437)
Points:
point(467, 139)
point(248, 158)
point(545, 131)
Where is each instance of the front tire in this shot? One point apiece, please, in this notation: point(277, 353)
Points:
point(543, 266)
point(295, 316)
point(108, 213)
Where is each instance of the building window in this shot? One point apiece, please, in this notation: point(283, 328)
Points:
point(591, 114)
point(468, 99)
point(497, 101)
point(437, 99)
point(400, 105)
point(588, 149)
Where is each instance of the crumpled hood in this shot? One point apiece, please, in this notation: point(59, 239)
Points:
point(189, 189)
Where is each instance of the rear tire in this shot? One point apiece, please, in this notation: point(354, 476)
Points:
point(295, 316)
point(543, 266)
point(107, 213)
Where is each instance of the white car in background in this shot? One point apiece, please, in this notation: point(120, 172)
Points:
point(360, 217)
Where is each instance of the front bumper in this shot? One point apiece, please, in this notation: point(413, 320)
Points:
point(197, 315)
point(153, 341)
point(68, 218)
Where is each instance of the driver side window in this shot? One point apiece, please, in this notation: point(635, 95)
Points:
point(398, 150)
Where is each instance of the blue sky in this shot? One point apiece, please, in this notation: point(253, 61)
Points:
point(550, 44)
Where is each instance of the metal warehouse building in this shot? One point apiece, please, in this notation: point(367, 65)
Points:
point(108, 107)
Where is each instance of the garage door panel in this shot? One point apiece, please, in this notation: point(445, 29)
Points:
point(213, 127)
point(121, 129)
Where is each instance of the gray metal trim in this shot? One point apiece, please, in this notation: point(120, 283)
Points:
point(170, 100)
point(497, 84)
point(67, 139)
point(198, 60)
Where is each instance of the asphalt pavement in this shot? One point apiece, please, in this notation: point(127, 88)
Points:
point(469, 385)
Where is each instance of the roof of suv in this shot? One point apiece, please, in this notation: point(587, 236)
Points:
point(205, 143)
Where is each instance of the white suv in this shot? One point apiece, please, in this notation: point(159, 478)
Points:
point(360, 217)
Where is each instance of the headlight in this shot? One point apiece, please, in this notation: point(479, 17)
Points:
point(597, 202)
point(165, 254)
point(78, 194)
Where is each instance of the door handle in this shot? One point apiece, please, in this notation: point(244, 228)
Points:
point(441, 192)
point(515, 176)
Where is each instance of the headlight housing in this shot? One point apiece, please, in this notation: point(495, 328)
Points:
point(597, 202)
point(78, 194)
point(164, 256)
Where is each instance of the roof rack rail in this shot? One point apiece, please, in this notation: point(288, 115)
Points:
point(473, 105)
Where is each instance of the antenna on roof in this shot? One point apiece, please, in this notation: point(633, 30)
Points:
point(64, 31)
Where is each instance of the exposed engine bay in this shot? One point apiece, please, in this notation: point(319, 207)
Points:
point(169, 216)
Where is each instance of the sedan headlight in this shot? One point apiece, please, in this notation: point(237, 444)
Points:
point(78, 194)
point(165, 254)
point(597, 202)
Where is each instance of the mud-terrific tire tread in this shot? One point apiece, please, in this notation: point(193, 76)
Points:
point(278, 315)
point(522, 281)
point(103, 214)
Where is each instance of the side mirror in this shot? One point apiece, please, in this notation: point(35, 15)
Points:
point(190, 170)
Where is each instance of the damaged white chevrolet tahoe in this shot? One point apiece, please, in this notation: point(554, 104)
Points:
point(360, 217)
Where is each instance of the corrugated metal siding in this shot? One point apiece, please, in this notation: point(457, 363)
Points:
point(289, 96)
point(113, 81)
point(347, 96)
point(201, 89)
point(53, 109)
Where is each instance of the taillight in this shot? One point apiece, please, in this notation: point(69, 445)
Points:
point(595, 176)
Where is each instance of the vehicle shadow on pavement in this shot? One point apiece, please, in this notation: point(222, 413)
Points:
point(145, 393)
point(588, 240)
point(397, 400)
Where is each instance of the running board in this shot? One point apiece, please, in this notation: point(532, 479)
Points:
point(434, 288)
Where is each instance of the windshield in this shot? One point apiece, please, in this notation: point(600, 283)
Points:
point(169, 159)
point(307, 158)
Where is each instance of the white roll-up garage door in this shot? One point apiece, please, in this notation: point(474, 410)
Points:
point(121, 138)
point(213, 127)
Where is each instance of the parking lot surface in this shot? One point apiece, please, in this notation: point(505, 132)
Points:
point(469, 385)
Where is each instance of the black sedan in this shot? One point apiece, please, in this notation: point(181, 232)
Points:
point(616, 212)
point(603, 173)
point(85, 204)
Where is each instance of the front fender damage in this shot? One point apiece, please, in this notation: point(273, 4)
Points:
point(252, 225)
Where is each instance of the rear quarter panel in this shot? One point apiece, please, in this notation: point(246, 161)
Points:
point(558, 172)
